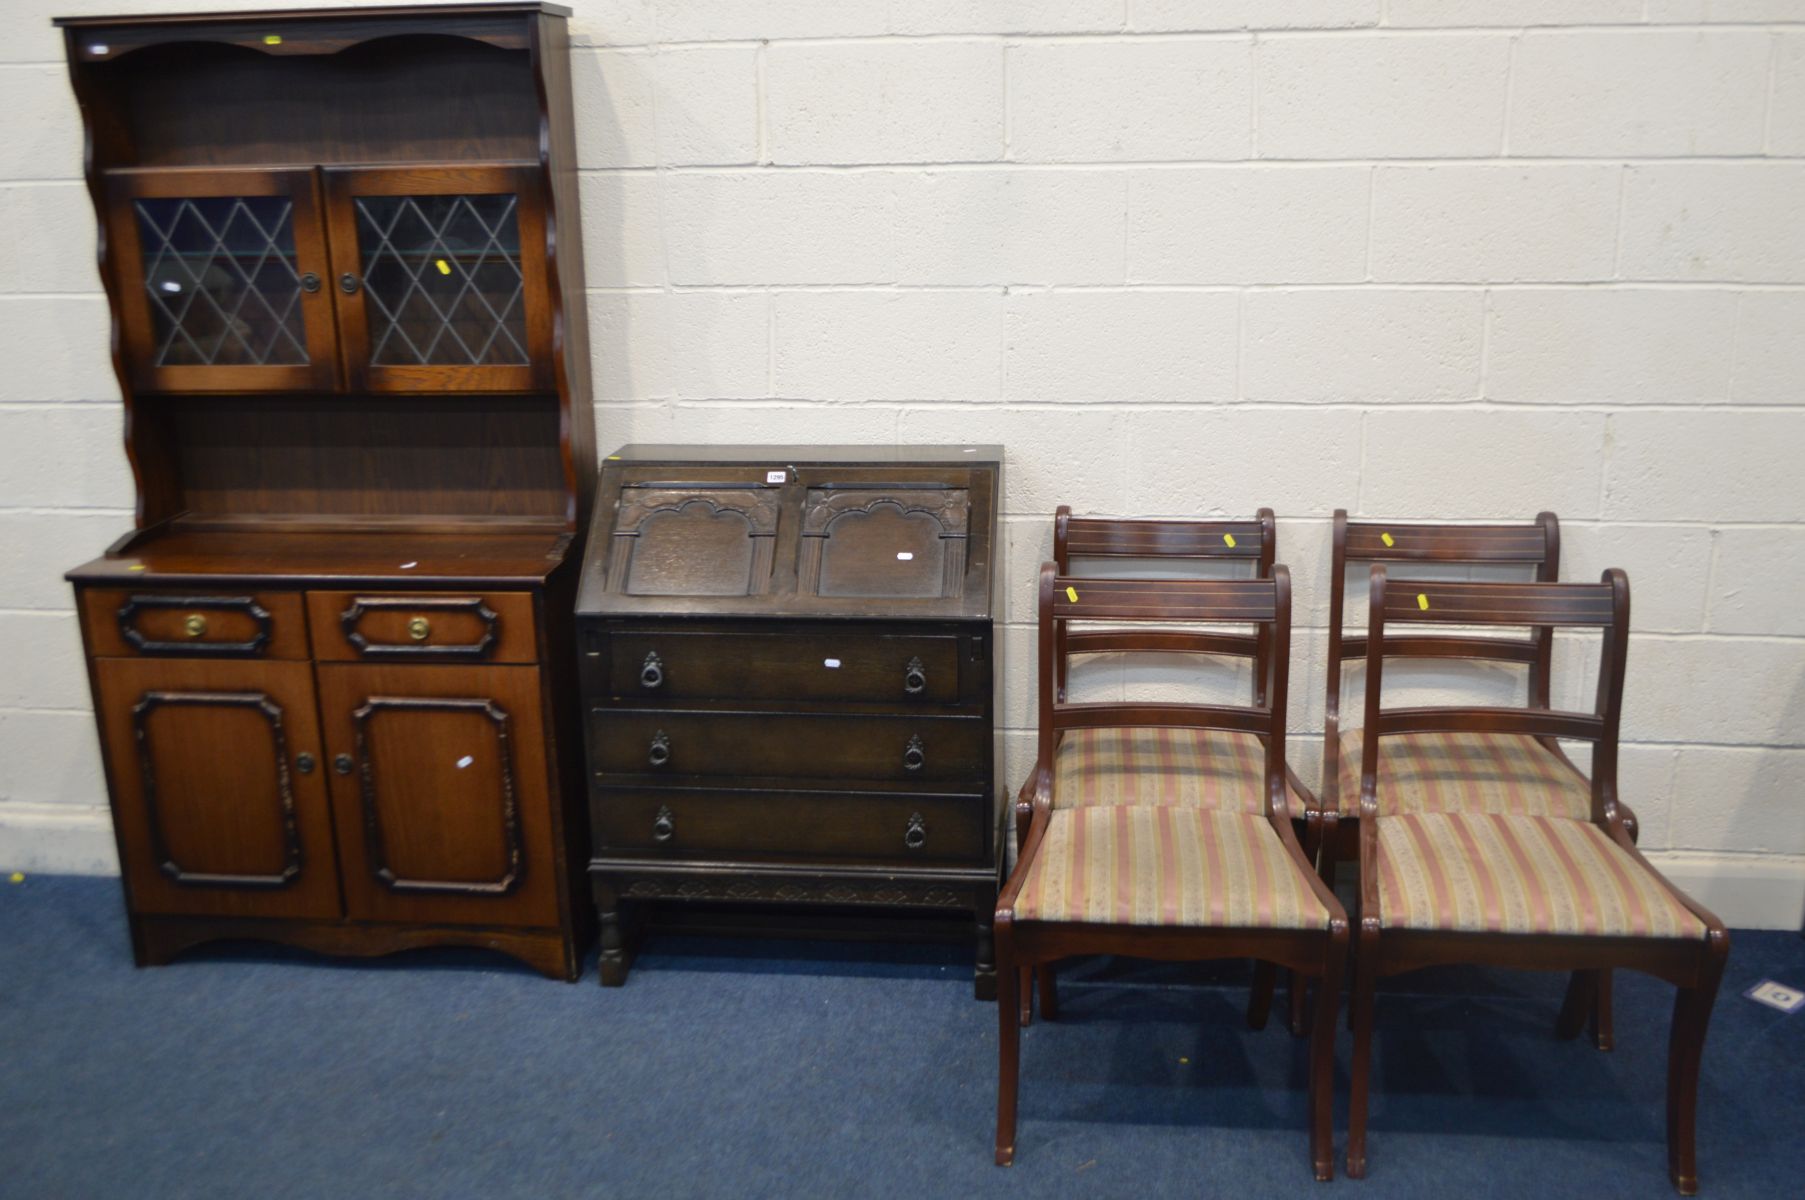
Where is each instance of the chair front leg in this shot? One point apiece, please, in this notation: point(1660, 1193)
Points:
point(1009, 1034)
point(1360, 1016)
point(1685, 1048)
point(1322, 1060)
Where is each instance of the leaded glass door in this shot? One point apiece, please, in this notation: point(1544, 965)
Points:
point(220, 280)
point(440, 278)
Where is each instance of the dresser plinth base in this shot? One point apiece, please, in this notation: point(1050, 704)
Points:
point(158, 941)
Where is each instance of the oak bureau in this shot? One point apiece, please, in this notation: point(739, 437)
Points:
point(787, 663)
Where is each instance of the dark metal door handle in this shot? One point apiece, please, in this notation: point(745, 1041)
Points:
point(342, 763)
point(651, 672)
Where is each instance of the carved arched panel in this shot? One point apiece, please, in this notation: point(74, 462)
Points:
point(696, 540)
point(900, 542)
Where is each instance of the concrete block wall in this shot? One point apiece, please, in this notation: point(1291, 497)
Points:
point(1418, 258)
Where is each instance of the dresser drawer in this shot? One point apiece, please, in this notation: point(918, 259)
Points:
point(694, 822)
point(673, 665)
point(901, 749)
point(194, 623)
point(492, 627)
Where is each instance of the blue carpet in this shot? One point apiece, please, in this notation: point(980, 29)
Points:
point(765, 1068)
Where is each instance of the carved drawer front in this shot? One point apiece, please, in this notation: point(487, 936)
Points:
point(695, 538)
point(900, 749)
point(894, 541)
point(473, 627)
point(656, 666)
point(699, 823)
point(194, 623)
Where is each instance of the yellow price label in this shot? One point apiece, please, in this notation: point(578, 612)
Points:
point(1422, 601)
point(1071, 594)
point(272, 39)
point(1386, 538)
point(1230, 539)
point(18, 877)
point(444, 267)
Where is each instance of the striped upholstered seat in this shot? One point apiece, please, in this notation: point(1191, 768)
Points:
point(1465, 772)
point(1178, 768)
point(1487, 873)
point(1166, 866)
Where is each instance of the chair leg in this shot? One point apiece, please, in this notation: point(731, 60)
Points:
point(1049, 991)
point(1322, 1062)
point(1686, 1046)
point(1360, 1067)
point(1602, 1035)
point(1026, 992)
point(1259, 995)
point(1009, 1053)
point(1582, 991)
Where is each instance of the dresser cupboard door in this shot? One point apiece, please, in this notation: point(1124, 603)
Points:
point(440, 278)
point(219, 794)
point(221, 280)
point(440, 792)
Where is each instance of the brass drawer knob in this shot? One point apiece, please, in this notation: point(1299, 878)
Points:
point(419, 628)
point(915, 836)
point(195, 625)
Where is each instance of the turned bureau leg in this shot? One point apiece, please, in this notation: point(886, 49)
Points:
point(613, 936)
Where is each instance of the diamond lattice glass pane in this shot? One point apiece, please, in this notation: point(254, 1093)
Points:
point(220, 272)
point(442, 280)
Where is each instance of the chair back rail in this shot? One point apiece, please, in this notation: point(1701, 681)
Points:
point(1262, 603)
point(1546, 606)
point(1533, 544)
point(1253, 541)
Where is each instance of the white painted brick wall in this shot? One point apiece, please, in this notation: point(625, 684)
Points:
point(1417, 258)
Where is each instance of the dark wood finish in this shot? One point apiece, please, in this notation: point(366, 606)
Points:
point(404, 627)
point(214, 813)
point(1694, 966)
point(383, 534)
point(1317, 953)
point(430, 770)
point(123, 622)
point(1332, 836)
point(1118, 542)
point(300, 187)
point(787, 660)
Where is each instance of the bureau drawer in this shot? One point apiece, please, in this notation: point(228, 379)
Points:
point(492, 627)
point(692, 822)
point(194, 623)
point(662, 665)
point(902, 749)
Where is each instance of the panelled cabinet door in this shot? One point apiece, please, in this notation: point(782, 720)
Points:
point(439, 786)
point(220, 280)
point(439, 277)
point(219, 792)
